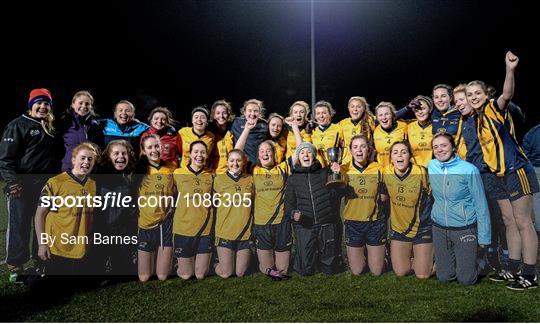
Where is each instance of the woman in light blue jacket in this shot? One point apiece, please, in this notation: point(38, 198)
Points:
point(460, 213)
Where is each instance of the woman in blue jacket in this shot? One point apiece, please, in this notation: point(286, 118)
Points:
point(124, 126)
point(460, 213)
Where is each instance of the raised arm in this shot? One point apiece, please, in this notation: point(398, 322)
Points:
point(241, 142)
point(405, 112)
point(297, 135)
point(508, 87)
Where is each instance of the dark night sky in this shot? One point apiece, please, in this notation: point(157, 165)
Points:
point(181, 54)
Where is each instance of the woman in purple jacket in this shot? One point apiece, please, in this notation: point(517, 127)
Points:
point(77, 125)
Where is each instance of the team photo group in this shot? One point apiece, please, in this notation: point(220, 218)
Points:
point(430, 190)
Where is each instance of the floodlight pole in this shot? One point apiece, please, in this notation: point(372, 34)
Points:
point(312, 55)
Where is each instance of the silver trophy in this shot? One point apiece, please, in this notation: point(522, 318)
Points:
point(334, 179)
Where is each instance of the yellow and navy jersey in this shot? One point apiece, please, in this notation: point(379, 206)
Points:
point(364, 204)
point(223, 144)
point(351, 129)
point(234, 214)
point(193, 217)
point(502, 153)
point(188, 136)
point(384, 139)
point(269, 193)
point(280, 147)
point(291, 141)
point(467, 144)
point(445, 122)
point(159, 183)
point(420, 139)
point(461, 147)
point(410, 200)
point(510, 122)
point(69, 222)
point(331, 136)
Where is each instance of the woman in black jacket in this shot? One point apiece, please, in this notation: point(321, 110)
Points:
point(26, 162)
point(314, 210)
point(116, 227)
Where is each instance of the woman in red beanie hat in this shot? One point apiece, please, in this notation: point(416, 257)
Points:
point(25, 162)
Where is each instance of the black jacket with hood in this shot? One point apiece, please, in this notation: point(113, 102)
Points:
point(306, 192)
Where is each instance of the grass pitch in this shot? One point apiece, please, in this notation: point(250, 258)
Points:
point(320, 298)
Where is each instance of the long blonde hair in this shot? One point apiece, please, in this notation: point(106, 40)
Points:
point(302, 104)
point(87, 94)
point(47, 124)
point(480, 111)
point(364, 120)
point(388, 105)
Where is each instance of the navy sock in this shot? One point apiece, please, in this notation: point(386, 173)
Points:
point(529, 270)
point(513, 265)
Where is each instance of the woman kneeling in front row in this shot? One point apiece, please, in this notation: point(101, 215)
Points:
point(460, 213)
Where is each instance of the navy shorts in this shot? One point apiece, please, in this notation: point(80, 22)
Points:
point(235, 245)
point(277, 237)
point(511, 186)
point(358, 234)
point(189, 246)
point(159, 236)
point(423, 236)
